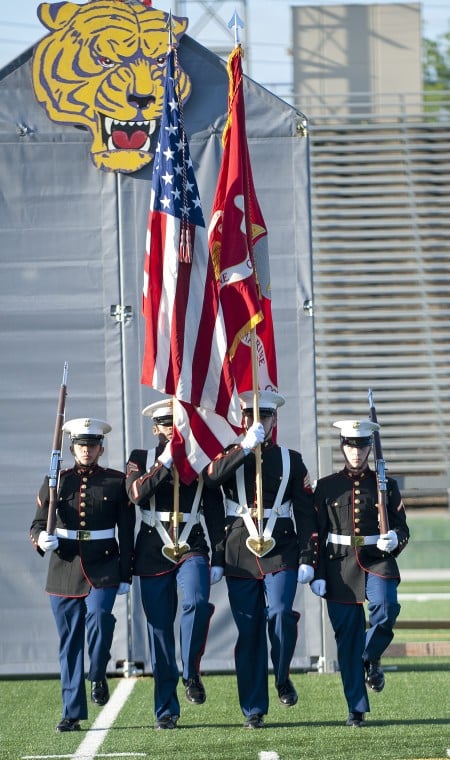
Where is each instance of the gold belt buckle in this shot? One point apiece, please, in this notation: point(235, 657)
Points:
point(357, 540)
point(84, 535)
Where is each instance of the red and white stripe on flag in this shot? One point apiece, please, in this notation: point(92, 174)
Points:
point(185, 349)
point(199, 435)
point(185, 344)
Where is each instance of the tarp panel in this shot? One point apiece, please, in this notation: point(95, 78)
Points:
point(72, 243)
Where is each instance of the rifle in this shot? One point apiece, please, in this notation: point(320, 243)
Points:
point(380, 468)
point(55, 459)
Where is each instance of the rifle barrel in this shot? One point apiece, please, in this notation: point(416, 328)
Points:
point(380, 469)
point(55, 458)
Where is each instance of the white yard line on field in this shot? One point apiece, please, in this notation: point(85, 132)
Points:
point(426, 575)
point(96, 735)
point(424, 597)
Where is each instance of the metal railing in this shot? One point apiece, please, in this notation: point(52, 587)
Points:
point(425, 106)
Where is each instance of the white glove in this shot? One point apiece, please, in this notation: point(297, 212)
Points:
point(319, 587)
point(166, 457)
point(123, 588)
point(46, 542)
point(305, 574)
point(254, 435)
point(388, 541)
point(215, 574)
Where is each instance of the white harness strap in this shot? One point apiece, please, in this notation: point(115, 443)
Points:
point(150, 516)
point(242, 496)
point(151, 458)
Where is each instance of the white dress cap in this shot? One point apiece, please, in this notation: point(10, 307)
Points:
point(267, 399)
point(159, 409)
point(86, 428)
point(356, 428)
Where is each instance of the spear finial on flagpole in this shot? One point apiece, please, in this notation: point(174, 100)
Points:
point(169, 26)
point(235, 23)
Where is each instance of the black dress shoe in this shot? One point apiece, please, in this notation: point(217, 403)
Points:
point(287, 694)
point(374, 675)
point(167, 722)
point(254, 721)
point(100, 692)
point(195, 691)
point(68, 724)
point(356, 720)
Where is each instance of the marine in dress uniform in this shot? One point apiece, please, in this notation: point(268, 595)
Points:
point(162, 571)
point(261, 589)
point(357, 563)
point(88, 564)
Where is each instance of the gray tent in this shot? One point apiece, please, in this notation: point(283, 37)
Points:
point(72, 247)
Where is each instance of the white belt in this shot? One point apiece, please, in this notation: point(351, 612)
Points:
point(149, 517)
point(237, 510)
point(337, 538)
point(85, 535)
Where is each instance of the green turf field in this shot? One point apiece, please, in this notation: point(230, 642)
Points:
point(409, 719)
point(426, 598)
point(429, 546)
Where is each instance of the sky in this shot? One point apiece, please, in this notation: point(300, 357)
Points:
point(266, 39)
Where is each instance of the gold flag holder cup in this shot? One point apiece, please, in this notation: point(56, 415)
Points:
point(260, 546)
point(174, 553)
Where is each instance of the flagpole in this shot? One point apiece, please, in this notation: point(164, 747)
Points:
point(176, 475)
point(236, 23)
point(256, 418)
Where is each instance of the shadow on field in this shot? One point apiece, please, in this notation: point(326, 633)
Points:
point(297, 724)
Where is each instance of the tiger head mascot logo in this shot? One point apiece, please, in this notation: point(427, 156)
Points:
point(102, 67)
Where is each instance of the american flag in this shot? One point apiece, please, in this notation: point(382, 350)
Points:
point(185, 353)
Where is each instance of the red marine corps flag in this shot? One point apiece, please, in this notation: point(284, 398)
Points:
point(185, 352)
point(236, 227)
point(238, 245)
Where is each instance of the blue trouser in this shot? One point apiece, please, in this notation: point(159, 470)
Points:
point(75, 617)
point(159, 595)
point(260, 607)
point(356, 646)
